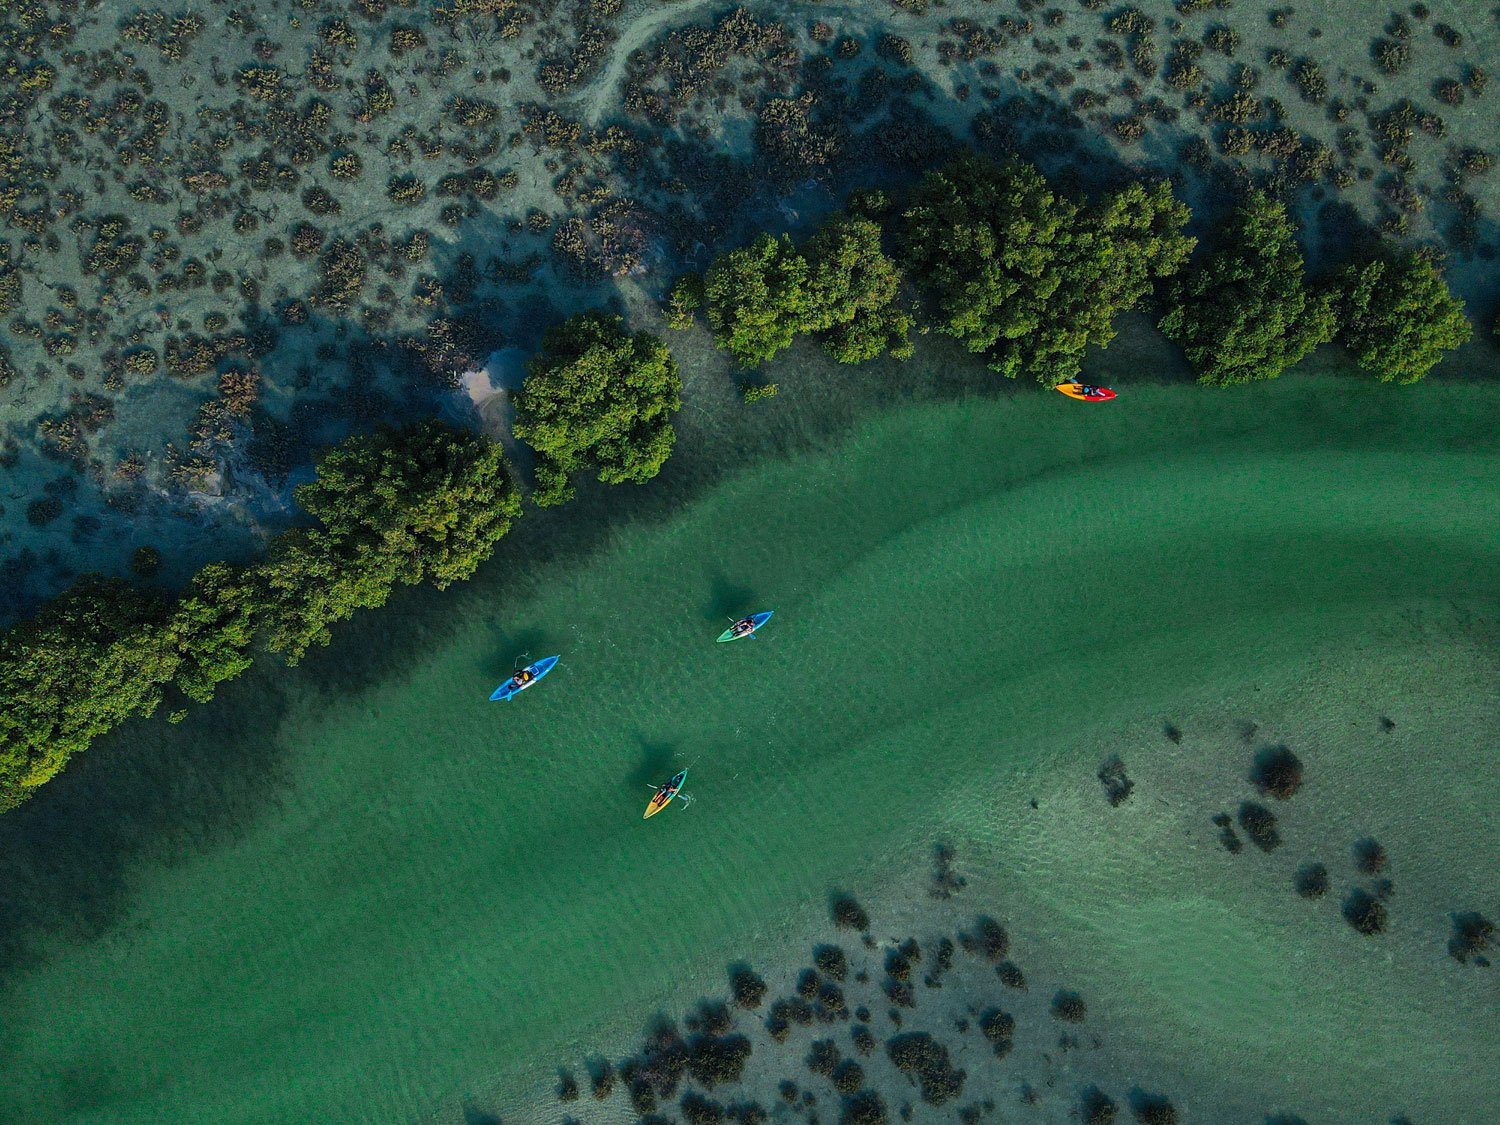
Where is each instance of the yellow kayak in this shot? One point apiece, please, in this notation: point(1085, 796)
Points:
point(663, 796)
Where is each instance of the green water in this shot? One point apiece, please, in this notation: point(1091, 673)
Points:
point(359, 892)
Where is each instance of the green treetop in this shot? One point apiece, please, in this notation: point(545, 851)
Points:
point(1030, 278)
point(1399, 316)
point(841, 283)
point(756, 299)
point(94, 656)
point(212, 627)
point(597, 398)
point(422, 502)
point(1131, 238)
point(852, 291)
point(439, 498)
point(1246, 314)
point(983, 242)
point(314, 580)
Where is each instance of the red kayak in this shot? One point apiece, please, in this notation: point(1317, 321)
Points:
point(1084, 392)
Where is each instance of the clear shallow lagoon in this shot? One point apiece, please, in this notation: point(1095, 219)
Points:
point(359, 892)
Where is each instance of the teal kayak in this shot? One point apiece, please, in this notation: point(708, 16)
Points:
point(745, 626)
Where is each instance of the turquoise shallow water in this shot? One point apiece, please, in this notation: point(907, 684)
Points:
point(359, 892)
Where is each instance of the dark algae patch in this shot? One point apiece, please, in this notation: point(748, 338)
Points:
point(1364, 912)
point(1311, 880)
point(1259, 823)
point(1277, 772)
point(1117, 787)
point(1472, 935)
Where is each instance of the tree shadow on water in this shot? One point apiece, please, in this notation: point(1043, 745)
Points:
point(151, 795)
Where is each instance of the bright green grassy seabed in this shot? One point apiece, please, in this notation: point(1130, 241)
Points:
point(449, 897)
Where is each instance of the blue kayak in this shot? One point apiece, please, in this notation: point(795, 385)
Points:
point(745, 626)
point(525, 678)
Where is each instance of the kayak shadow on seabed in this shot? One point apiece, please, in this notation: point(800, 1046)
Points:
point(727, 599)
point(654, 764)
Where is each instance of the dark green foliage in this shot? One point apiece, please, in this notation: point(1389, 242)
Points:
point(1245, 313)
point(715, 1060)
point(96, 655)
point(597, 398)
point(839, 283)
point(988, 939)
point(1000, 1029)
point(1098, 1108)
point(423, 502)
point(848, 1076)
point(864, 1108)
point(756, 299)
point(1227, 837)
point(849, 915)
point(1153, 1109)
point(823, 1057)
point(1370, 857)
point(1069, 1007)
point(698, 1110)
point(1391, 55)
point(341, 270)
point(831, 961)
point(852, 288)
point(897, 966)
point(604, 1082)
point(714, 1018)
point(1259, 824)
point(39, 513)
point(1399, 317)
point(1117, 786)
point(213, 625)
point(684, 301)
point(1364, 912)
point(1030, 278)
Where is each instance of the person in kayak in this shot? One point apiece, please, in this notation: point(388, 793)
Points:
point(742, 626)
point(1088, 391)
point(523, 677)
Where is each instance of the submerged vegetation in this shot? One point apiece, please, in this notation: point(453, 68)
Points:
point(846, 1064)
